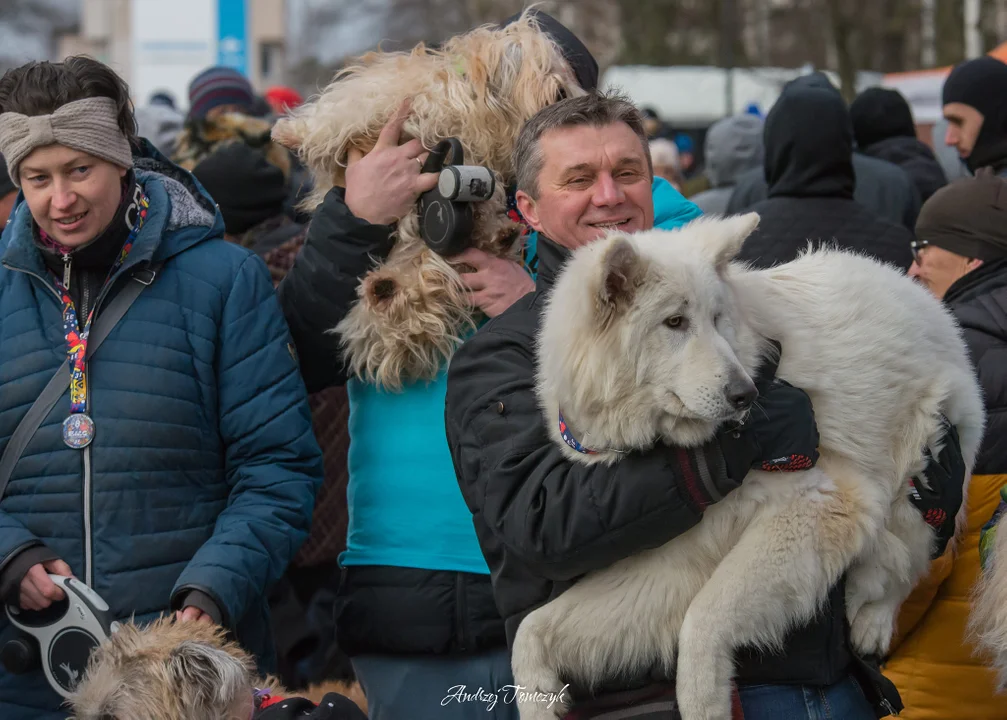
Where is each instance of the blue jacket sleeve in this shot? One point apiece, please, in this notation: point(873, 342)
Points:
point(273, 462)
point(671, 209)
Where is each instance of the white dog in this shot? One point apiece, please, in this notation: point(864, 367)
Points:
point(642, 342)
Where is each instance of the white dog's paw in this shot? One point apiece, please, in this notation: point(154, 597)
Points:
point(872, 628)
point(714, 706)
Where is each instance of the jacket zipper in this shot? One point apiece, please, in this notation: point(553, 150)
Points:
point(88, 565)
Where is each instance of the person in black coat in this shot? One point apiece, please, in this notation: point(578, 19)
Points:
point(809, 170)
point(882, 187)
point(883, 127)
point(961, 257)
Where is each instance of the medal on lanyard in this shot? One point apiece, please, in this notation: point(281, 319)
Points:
point(78, 428)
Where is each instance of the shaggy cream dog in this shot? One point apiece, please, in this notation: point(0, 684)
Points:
point(479, 87)
point(174, 671)
point(641, 338)
point(988, 620)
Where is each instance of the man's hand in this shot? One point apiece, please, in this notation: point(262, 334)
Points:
point(945, 475)
point(39, 592)
point(496, 284)
point(192, 613)
point(385, 184)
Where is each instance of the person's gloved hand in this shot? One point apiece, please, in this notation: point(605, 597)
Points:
point(939, 503)
point(778, 435)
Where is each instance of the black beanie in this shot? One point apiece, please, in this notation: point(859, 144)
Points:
point(6, 186)
point(982, 84)
point(878, 114)
point(581, 61)
point(247, 187)
point(967, 217)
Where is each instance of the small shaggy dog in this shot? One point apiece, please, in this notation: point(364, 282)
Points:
point(479, 87)
point(642, 337)
point(178, 671)
point(988, 620)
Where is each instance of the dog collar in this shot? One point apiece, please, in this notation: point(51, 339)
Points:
point(570, 440)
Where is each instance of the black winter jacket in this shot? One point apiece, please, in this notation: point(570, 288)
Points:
point(385, 610)
point(915, 158)
point(979, 303)
point(543, 521)
point(809, 169)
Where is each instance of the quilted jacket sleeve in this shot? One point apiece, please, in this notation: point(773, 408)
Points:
point(273, 462)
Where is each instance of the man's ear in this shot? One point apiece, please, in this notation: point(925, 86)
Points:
point(974, 263)
point(528, 208)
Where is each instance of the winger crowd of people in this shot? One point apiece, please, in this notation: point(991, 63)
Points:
point(212, 458)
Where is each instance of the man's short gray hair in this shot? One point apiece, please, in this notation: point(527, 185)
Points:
point(594, 109)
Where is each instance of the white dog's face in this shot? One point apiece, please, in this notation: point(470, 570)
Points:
point(643, 332)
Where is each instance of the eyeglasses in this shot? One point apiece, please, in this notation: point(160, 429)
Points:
point(917, 247)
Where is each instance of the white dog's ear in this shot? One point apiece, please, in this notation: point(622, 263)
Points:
point(728, 235)
point(621, 267)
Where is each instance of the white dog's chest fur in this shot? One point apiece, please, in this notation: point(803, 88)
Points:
point(879, 358)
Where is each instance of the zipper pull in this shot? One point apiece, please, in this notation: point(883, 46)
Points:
point(66, 272)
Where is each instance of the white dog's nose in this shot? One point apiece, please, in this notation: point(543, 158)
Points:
point(741, 393)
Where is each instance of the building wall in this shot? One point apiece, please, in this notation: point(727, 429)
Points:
point(106, 33)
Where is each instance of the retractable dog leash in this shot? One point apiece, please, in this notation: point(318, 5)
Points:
point(60, 638)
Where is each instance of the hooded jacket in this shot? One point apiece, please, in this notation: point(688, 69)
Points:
point(733, 145)
point(883, 127)
point(810, 176)
point(881, 187)
point(203, 469)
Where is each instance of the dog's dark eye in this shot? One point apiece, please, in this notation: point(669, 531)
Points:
point(677, 322)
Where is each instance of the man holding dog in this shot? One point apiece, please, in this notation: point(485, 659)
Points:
point(542, 521)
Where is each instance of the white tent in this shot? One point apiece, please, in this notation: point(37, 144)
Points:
point(696, 96)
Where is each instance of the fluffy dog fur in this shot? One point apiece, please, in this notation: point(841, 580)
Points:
point(168, 671)
point(479, 87)
point(880, 359)
point(988, 620)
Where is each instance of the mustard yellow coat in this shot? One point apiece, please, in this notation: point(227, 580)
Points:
point(931, 662)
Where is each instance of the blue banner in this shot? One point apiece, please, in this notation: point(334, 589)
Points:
point(232, 50)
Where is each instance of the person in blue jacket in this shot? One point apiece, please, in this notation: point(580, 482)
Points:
point(177, 472)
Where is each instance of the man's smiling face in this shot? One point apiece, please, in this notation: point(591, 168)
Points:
point(593, 179)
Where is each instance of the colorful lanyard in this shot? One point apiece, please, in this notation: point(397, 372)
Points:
point(78, 428)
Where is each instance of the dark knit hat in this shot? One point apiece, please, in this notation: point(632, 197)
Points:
point(982, 84)
point(582, 62)
point(6, 186)
point(218, 86)
point(247, 187)
point(967, 217)
point(880, 113)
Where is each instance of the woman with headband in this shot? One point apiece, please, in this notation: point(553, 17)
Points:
point(155, 434)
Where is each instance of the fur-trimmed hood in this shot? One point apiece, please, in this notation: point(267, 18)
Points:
point(202, 136)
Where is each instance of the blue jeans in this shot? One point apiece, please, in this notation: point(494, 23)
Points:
point(842, 701)
point(457, 688)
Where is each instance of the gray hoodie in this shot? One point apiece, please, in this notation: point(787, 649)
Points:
point(161, 125)
point(733, 145)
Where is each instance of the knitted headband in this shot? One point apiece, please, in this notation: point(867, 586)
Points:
point(90, 125)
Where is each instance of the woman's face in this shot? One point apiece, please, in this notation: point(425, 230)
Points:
point(73, 196)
